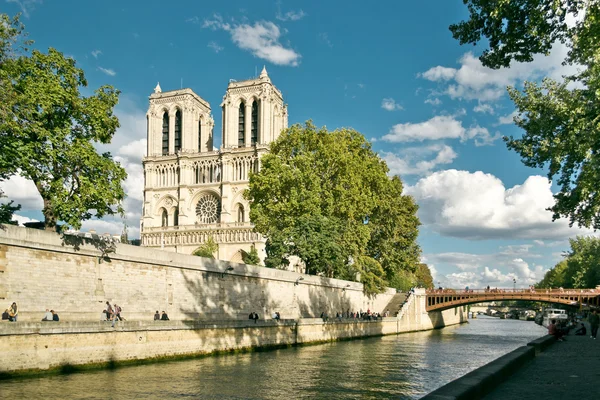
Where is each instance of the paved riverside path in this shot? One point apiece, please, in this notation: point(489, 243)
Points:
point(565, 370)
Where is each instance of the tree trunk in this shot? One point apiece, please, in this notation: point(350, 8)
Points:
point(49, 217)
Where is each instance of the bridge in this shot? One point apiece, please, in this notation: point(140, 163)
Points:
point(443, 299)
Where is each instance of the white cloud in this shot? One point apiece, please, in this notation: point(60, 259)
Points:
point(390, 104)
point(261, 39)
point(215, 46)
point(96, 53)
point(410, 161)
point(439, 73)
point(26, 6)
point(478, 206)
point(434, 102)
point(439, 127)
point(474, 81)
point(480, 270)
point(107, 71)
point(21, 220)
point(23, 192)
point(507, 119)
point(291, 15)
point(193, 20)
point(324, 37)
point(483, 108)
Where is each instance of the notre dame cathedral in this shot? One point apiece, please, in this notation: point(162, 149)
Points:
point(192, 192)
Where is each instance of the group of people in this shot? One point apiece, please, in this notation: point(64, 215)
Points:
point(163, 317)
point(112, 313)
point(366, 315)
point(560, 332)
point(253, 316)
point(50, 315)
point(11, 313)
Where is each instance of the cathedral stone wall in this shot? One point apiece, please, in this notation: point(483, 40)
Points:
point(192, 192)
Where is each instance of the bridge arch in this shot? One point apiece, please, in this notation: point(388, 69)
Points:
point(439, 300)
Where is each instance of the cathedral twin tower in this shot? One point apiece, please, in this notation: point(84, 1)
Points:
point(192, 192)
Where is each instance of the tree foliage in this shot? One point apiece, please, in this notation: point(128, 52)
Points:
point(325, 198)
point(207, 249)
point(424, 278)
point(49, 131)
point(7, 210)
point(251, 257)
point(580, 269)
point(560, 119)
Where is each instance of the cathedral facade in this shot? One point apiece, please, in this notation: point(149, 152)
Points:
point(193, 192)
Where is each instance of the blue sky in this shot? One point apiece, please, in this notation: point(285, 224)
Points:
point(388, 69)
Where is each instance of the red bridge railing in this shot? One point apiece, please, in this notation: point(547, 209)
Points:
point(441, 299)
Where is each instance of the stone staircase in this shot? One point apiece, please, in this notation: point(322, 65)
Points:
point(394, 306)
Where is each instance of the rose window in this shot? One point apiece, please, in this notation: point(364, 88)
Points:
point(207, 209)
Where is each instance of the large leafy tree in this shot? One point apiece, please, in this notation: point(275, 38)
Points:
point(50, 130)
point(559, 119)
point(580, 268)
point(325, 198)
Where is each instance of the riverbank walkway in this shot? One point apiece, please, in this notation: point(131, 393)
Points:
point(565, 370)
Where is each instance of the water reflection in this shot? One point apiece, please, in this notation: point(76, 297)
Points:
point(404, 366)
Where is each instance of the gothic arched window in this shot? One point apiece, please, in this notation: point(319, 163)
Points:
point(241, 123)
point(164, 219)
point(165, 134)
point(176, 217)
point(254, 124)
point(177, 131)
point(199, 136)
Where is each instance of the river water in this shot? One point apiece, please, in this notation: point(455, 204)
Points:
point(406, 366)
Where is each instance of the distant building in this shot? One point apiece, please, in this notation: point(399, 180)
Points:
point(192, 192)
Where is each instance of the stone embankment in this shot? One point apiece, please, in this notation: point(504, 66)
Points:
point(208, 302)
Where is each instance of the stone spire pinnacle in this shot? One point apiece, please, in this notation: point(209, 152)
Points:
point(263, 73)
point(157, 89)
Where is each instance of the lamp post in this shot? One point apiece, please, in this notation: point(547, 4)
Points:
point(515, 284)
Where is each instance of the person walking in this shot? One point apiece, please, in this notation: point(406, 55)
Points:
point(594, 320)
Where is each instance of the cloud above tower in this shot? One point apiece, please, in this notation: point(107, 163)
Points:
point(262, 39)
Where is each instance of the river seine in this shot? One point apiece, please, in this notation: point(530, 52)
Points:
point(406, 366)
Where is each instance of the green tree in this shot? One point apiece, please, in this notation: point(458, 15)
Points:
point(580, 269)
point(7, 210)
point(555, 277)
point(52, 130)
point(560, 119)
point(207, 249)
point(325, 198)
point(424, 278)
point(583, 263)
point(251, 257)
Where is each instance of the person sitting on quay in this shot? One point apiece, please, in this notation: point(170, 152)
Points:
point(255, 318)
point(54, 316)
point(275, 316)
point(164, 317)
point(555, 331)
point(13, 312)
point(581, 331)
point(47, 316)
point(157, 316)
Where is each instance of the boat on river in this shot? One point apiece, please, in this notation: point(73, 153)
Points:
point(560, 316)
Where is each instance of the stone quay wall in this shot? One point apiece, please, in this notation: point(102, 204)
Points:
point(208, 302)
